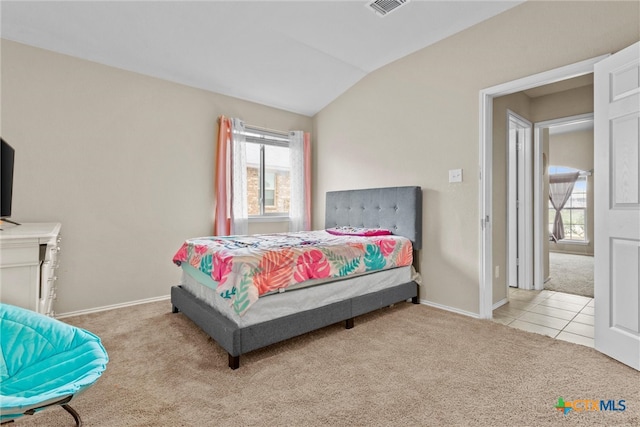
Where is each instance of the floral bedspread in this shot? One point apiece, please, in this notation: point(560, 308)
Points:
point(247, 267)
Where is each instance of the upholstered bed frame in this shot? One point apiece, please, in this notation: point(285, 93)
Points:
point(396, 208)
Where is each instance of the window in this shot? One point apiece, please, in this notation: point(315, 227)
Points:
point(268, 184)
point(574, 212)
point(270, 189)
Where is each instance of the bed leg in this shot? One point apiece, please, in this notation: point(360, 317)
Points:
point(415, 300)
point(174, 309)
point(349, 323)
point(234, 361)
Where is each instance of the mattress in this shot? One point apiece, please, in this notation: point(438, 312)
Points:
point(292, 301)
point(248, 267)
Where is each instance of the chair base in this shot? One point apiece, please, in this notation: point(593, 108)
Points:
point(73, 413)
point(63, 403)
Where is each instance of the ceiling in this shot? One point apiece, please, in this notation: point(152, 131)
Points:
point(294, 55)
point(561, 86)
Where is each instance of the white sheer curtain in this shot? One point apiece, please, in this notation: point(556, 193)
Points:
point(296, 176)
point(239, 204)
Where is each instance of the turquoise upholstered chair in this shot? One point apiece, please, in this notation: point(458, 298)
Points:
point(44, 362)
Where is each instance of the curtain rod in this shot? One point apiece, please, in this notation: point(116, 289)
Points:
point(267, 130)
point(263, 129)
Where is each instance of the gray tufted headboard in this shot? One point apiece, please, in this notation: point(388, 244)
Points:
point(398, 209)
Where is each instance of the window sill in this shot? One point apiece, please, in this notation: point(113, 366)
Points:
point(572, 242)
point(269, 218)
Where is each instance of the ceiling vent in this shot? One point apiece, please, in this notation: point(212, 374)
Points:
point(385, 7)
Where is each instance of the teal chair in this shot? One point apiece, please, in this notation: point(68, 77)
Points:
point(44, 363)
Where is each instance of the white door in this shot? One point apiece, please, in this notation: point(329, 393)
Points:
point(617, 206)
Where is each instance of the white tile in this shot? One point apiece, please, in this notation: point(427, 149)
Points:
point(576, 299)
point(509, 311)
point(576, 339)
point(592, 303)
point(583, 318)
point(543, 320)
point(527, 296)
point(588, 310)
point(580, 329)
point(538, 329)
point(564, 305)
point(520, 305)
point(553, 312)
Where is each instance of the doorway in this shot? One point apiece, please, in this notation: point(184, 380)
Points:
point(555, 314)
point(519, 218)
point(565, 146)
point(617, 204)
point(486, 160)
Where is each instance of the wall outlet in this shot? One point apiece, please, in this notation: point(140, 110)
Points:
point(455, 175)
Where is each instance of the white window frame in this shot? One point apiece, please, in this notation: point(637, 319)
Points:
point(583, 177)
point(264, 137)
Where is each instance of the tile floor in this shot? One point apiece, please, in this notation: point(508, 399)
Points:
point(562, 316)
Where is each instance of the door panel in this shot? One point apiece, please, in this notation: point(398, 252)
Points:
point(617, 206)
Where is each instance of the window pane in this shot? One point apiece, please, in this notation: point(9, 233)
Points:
point(277, 184)
point(577, 216)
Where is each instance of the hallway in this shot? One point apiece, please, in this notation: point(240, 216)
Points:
point(558, 315)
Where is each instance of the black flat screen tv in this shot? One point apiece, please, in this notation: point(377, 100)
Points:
point(7, 155)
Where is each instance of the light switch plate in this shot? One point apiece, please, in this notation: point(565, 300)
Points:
point(455, 175)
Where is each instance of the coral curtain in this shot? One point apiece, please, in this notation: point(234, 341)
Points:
point(300, 178)
point(231, 211)
point(222, 184)
point(560, 189)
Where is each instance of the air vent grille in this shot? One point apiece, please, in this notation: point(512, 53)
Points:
point(384, 7)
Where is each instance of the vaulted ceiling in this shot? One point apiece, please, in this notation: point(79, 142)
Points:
point(294, 55)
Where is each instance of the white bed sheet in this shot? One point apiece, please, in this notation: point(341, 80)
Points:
point(282, 304)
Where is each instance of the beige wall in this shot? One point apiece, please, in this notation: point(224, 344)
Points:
point(123, 161)
point(568, 103)
point(575, 150)
point(410, 122)
point(520, 104)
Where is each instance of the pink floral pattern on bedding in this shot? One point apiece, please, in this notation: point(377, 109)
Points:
point(358, 231)
point(247, 267)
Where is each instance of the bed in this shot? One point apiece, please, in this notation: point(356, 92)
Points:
point(282, 315)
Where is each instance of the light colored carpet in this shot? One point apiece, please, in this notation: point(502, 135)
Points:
point(408, 365)
point(572, 274)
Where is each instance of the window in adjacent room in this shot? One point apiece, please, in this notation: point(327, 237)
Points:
point(574, 212)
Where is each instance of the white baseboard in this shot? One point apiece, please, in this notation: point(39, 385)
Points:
point(111, 307)
point(452, 309)
point(167, 297)
point(500, 303)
